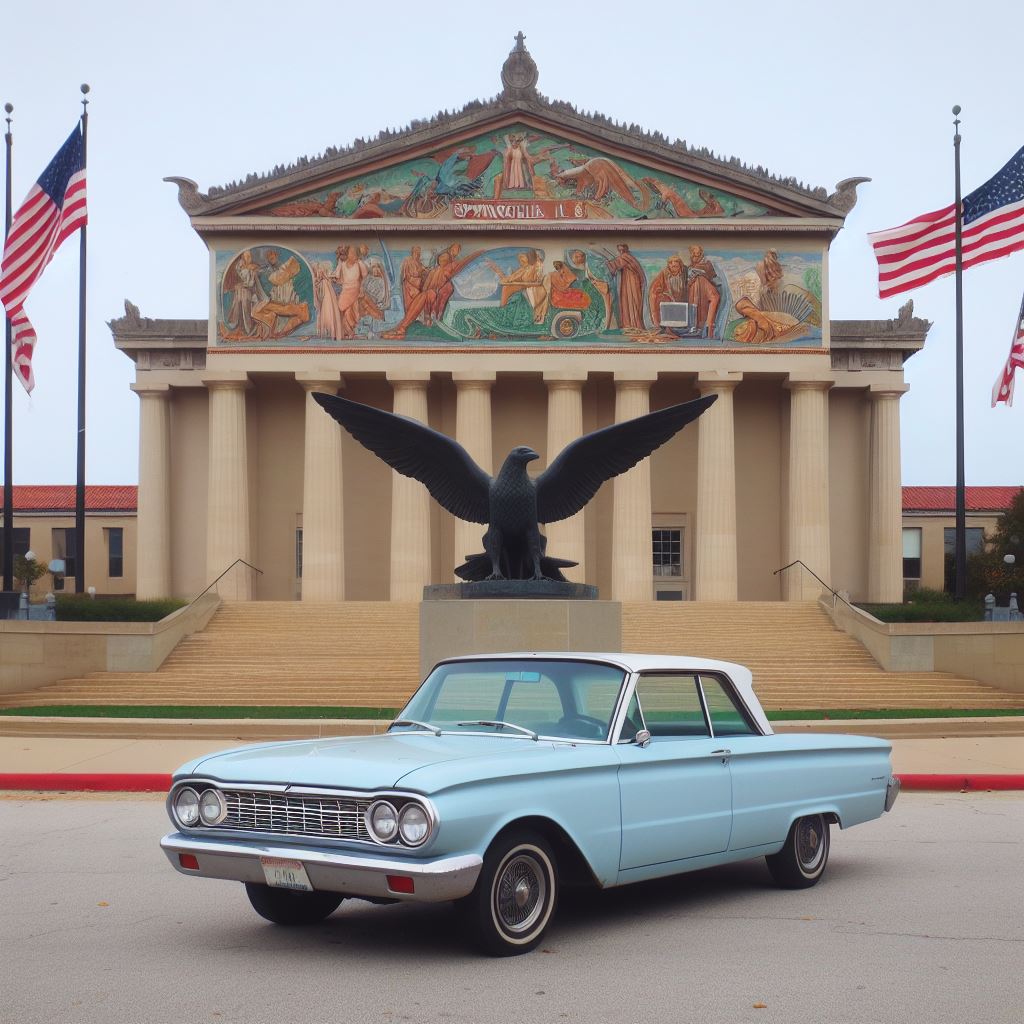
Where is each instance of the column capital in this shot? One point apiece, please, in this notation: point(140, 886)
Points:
point(152, 390)
point(227, 381)
point(569, 379)
point(876, 391)
point(808, 382)
point(408, 378)
point(635, 378)
point(714, 380)
point(474, 378)
point(320, 380)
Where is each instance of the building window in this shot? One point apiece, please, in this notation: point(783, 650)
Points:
point(65, 548)
point(912, 552)
point(298, 553)
point(115, 552)
point(22, 540)
point(667, 546)
point(975, 544)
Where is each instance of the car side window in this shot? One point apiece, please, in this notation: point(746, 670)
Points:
point(726, 714)
point(633, 722)
point(671, 705)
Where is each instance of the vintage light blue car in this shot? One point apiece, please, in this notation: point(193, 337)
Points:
point(509, 776)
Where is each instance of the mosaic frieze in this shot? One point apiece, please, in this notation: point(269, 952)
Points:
point(518, 174)
point(597, 293)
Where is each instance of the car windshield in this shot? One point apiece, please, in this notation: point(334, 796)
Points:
point(564, 699)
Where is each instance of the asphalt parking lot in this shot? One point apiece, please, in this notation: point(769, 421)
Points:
point(919, 918)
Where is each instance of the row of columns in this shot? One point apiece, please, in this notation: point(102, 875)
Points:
point(807, 539)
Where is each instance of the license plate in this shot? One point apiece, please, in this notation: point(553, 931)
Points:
point(285, 874)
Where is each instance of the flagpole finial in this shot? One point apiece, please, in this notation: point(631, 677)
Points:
point(956, 122)
point(85, 93)
point(8, 110)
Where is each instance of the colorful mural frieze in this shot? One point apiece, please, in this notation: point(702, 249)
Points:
point(518, 174)
point(535, 293)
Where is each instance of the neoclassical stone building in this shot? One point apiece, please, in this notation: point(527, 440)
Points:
point(520, 273)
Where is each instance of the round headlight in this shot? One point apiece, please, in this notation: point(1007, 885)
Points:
point(382, 821)
point(212, 807)
point(413, 824)
point(186, 807)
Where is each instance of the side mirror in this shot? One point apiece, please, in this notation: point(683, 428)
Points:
point(643, 737)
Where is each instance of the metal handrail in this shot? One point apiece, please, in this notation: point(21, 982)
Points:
point(835, 593)
point(221, 576)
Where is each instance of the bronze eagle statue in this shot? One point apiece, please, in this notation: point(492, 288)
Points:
point(512, 504)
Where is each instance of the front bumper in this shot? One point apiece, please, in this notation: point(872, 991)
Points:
point(354, 874)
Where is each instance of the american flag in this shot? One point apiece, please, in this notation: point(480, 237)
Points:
point(925, 248)
point(53, 210)
point(1003, 389)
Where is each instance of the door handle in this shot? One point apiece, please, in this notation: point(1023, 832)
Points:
point(724, 753)
point(724, 750)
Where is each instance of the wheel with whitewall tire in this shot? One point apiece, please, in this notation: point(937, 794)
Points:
point(801, 861)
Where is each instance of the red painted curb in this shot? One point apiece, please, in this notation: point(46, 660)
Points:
point(69, 781)
point(962, 783)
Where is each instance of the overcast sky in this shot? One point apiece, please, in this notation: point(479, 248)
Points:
point(213, 91)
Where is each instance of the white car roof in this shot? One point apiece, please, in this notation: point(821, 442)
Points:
point(739, 675)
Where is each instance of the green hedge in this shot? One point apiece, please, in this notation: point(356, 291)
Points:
point(928, 611)
point(114, 609)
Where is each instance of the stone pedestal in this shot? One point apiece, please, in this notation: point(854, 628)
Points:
point(452, 628)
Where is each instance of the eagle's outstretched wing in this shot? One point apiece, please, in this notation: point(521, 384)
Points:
point(581, 467)
point(442, 465)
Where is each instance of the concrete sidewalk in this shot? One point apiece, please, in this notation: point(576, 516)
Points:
point(976, 755)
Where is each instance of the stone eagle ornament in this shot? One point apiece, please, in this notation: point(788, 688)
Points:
point(512, 504)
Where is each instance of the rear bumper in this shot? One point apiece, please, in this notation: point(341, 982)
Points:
point(354, 874)
point(892, 790)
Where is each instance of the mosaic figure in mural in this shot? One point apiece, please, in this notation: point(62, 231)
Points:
point(459, 293)
point(518, 174)
point(266, 294)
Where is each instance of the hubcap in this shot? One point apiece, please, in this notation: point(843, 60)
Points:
point(810, 847)
point(520, 891)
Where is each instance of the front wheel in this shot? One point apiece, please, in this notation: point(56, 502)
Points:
point(801, 861)
point(515, 895)
point(285, 906)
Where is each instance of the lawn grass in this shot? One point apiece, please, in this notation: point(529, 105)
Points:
point(386, 714)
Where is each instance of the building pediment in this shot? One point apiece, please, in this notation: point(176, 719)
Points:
point(517, 158)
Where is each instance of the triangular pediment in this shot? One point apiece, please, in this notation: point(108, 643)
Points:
point(518, 159)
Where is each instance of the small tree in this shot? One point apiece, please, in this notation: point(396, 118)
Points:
point(988, 571)
point(28, 570)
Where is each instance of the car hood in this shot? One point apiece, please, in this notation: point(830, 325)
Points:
point(356, 762)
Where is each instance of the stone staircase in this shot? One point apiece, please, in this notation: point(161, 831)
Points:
point(367, 654)
point(799, 659)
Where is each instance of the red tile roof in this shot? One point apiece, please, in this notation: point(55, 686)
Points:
point(61, 498)
point(943, 499)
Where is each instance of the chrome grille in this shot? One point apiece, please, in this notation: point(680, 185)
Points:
point(282, 814)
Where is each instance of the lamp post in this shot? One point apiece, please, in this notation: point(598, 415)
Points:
point(30, 557)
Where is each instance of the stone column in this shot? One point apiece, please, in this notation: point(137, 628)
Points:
point(410, 500)
point(227, 523)
point(566, 539)
point(473, 432)
point(808, 537)
point(323, 508)
point(632, 556)
point(885, 499)
point(153, 559)
point(714, 546)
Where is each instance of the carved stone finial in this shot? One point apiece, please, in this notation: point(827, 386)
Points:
point(132, 315)
point(845, 196)
point(906, 313)
point(519, 72)
point(191, 199)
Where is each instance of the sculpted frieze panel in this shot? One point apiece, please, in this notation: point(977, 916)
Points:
point(592, 292)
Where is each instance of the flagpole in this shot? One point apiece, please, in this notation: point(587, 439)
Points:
point(8, 552)
point(960, 587)
point(80, 482)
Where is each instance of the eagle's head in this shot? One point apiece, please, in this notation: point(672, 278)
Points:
point(523, 454)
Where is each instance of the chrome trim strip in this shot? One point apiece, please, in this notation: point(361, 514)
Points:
point(436, 880)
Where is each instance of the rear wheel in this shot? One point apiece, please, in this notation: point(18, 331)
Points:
point(285, 906)
point(801, 861)
point(515, 895)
